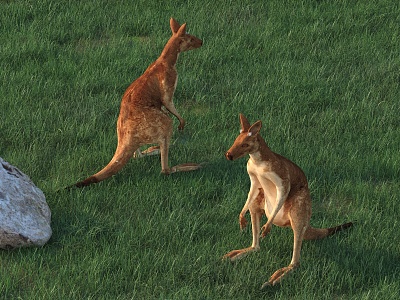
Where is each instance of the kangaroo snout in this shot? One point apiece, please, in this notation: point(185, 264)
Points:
point(228, 156)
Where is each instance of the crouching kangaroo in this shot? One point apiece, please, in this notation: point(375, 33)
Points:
point(279, 189)
point(142, 119)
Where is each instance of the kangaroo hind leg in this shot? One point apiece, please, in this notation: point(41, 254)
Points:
point(299, 216)
point(295, 263)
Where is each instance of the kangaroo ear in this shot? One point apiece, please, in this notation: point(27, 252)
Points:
point(174, 25)
point(244, 123)
point(182, 30)
point(255, 128)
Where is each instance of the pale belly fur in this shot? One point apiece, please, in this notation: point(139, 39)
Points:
point(272, 186)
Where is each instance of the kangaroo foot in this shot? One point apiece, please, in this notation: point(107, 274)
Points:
point(237, 254)
point(278, 275)
point(154, 150)
point(184, 168)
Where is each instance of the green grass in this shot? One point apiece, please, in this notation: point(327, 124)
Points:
point(323, 76)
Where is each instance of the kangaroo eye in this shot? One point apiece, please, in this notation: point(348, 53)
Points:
point(245, 145)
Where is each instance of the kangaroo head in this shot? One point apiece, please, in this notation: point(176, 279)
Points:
point(246, 142)
point(186, 41)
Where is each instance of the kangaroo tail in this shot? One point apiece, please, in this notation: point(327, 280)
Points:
point(319, 233)
point(119, 160)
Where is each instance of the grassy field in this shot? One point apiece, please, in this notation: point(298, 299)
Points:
point(324, 78)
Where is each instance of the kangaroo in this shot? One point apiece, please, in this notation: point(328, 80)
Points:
point(143, 119)
point(279, 189)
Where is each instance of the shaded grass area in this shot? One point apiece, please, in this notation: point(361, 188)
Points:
point(322, 76)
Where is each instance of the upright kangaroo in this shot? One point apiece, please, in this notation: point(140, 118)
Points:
point(279, 189)
point(142, 119)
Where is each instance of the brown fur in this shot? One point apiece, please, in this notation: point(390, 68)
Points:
point(279, 189)
point(142, 119)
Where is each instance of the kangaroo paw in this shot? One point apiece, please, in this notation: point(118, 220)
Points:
point(242, 222)
point(265, 229)
point(181, 124)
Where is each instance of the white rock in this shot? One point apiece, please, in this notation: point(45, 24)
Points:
point(24, 214)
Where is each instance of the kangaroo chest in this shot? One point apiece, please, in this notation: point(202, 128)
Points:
point(168, 84)
point(274, 187)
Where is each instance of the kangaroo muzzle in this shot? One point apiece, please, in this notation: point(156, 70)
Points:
point(228, 156)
